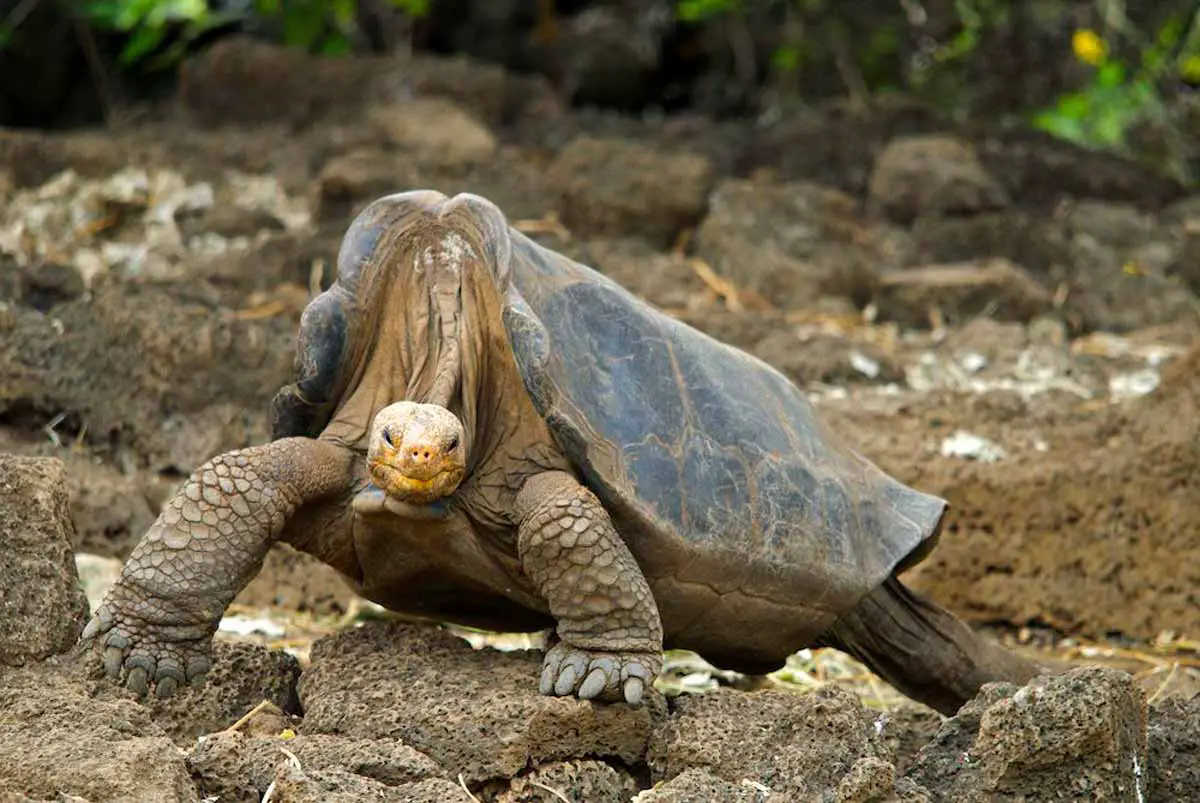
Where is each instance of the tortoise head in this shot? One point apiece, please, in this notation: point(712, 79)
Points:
point(416, 453)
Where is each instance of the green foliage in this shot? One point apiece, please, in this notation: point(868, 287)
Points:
point(1120, 95)
point(702, 10)
point(321, 26)
point(147, 23)
point(325, 26)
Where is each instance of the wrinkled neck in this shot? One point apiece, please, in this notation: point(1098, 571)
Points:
point(432, 317)
point(445, 304)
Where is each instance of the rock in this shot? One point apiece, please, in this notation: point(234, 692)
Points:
point(790, 243)
point(932, 176)
point(996, 288)
point(1039, 243)
point(42, 606)
point(44, 285)
point(834, 142)
point(1116, 225)
point(32, 158)
point(1113, 266)
point(800, 746)
point(1081, 734)
point(1173, 742)
point(243, 675)
point(613, 187)
point(349, 182)
point(1042, 170)
point(162, 383)
point(1186, 266)
point(494, 95)
point(701, 786)
point(243, 80)
point(231, 222)
point(576, 781)
point(110, 509)
point(424, 675)
point(605, 55)
point(294, 784)
point(870, 778)
point(56, 740)
point(1182, 212)
point(235, 766)
point(435, 131)
point(1120, 289)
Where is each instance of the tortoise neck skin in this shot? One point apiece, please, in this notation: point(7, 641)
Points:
point(430, 296)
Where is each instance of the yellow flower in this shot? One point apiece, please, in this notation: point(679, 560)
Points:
point(1191, 69)
point(1088, 46)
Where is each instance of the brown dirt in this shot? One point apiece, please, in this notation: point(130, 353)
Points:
point(1081, 537)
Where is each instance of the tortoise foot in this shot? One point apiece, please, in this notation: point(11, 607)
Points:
point(152, 656)
point(606, 676)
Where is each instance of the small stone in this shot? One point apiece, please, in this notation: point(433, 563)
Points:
point(613, 187)
point(932, 176)
point(799, 746)
point(697, 785)
point(348, 182)
point(789, 243)
point(996, 288)
point(438, 131)
point(577, 780)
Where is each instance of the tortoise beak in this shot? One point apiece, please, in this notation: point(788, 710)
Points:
point(417, 470)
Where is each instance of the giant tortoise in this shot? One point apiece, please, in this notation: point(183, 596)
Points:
point(482, 431)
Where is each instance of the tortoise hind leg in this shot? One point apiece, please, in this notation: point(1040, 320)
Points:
point(923, 650)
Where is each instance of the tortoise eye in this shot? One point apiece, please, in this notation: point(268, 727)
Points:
point(387, 437)
point(452, 444)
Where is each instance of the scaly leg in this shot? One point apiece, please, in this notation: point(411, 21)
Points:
point(610, 635)
point(157, 621)
point(923, 650)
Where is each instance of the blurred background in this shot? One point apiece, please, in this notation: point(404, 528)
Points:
point(1106, 73)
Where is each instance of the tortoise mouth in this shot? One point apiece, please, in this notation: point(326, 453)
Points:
point(415, 490)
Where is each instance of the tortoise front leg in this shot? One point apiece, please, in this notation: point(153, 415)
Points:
point(157, 621)
point(610, 635)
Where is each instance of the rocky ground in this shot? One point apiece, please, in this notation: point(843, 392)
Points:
point(995, 318)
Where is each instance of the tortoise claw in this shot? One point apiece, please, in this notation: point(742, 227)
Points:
point(601, 676)
point(152, 657)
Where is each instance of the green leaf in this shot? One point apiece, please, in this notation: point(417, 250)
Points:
point(344, 13)
point(302, 27)
point(335, 45)
point(414, 8)
point(1190, 69)
point(142, 42)
point(700, 10)
point(786, 58)
point(1074, 106)
point(1111, 74)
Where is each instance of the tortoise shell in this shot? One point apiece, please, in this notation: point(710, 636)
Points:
point(687, 441)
